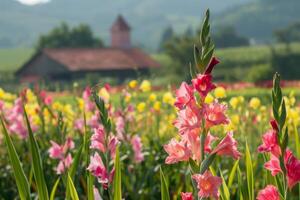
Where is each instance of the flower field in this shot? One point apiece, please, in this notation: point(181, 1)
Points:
point(198, 141)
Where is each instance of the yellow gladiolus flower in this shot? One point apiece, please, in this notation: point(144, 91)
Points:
point(141, 106)
point(127, 97)
point(145, 86)
point(133, 84)
point(220, 92)
point(234, 101)
point(254, 103)
point(152, 97)
point(104, 94)
point(157, 106)
point(209, 99)
point(168, 98)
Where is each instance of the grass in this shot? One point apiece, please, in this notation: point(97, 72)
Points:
point(12, 59)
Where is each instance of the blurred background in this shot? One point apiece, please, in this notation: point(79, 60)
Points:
point(59, 43)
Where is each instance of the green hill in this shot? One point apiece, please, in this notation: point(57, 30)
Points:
point(259, 18)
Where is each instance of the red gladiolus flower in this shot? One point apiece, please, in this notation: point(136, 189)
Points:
point(270, 143)
point(187, 196)
point(214, 61)
point(269, 193)
point(228, 147)
point(178, 151)
point(203, 84)
point(208, 185)
point(214, 114)
point(184, 95)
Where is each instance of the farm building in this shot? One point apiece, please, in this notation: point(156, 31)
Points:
point(120, 61)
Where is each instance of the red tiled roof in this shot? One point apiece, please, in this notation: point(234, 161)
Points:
point(120, 24)
point(93, 59)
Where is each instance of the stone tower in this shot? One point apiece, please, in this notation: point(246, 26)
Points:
point(120, 33)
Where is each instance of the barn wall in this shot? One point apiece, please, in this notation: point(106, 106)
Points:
point(44, 67)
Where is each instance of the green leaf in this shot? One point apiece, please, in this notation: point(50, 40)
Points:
point(36, 163)
point(283, 115)
point(249, 172)
point(193, 165)
point(90, 186)
point(52, 195)
point(206, 163)
point(76, 162)
point(225, 194)
point(21, 180)
point(232, 173)
point(117, 179)
point(71, 188)
point(164, 187)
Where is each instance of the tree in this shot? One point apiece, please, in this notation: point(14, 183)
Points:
point(167, 34)
point(228, 37)
point(64, 36)
point(288, 34)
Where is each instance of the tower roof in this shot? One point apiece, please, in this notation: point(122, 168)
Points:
point(120, 24)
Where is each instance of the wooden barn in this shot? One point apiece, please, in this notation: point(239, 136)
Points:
point(120, 61)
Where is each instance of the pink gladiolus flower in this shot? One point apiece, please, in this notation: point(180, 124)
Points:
point(69, 144)
point(187, 196)
point(184, 95)
point(60, 168)
point(269, 193)
point(188, 120)
point(47, 100)
point(79, 125)
point(193, 143)
point(93, 122)
point(89, 105)
point(270, 143)
point(214, 114)
point(208, 185)
point(112, 145)
point(120, 127)
point(97, 168)
point(68, 161)
point(293, 169)
point(96, 194)
point(137, 148)
point(56, 151)
point(228, 146)
point(273, 165)
point(98, 139)
point(203, 84)
point(178, 151)
point(208, 140)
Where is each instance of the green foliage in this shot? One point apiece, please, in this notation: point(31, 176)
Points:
point(64, 36)
point(164, 187)
point(287, 64)
point(21, 180)
point(249, 173)
point(117, 178)
point(54, 188)
point(227, 36)
point(71, 188)
point(288, 34)
point(36, 163)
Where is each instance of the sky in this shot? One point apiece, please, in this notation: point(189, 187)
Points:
point(32, 2)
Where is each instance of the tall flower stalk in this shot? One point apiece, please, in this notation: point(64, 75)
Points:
point(195, 120)
point(282, 164)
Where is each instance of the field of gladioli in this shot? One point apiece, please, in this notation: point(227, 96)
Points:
point(198, 141)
